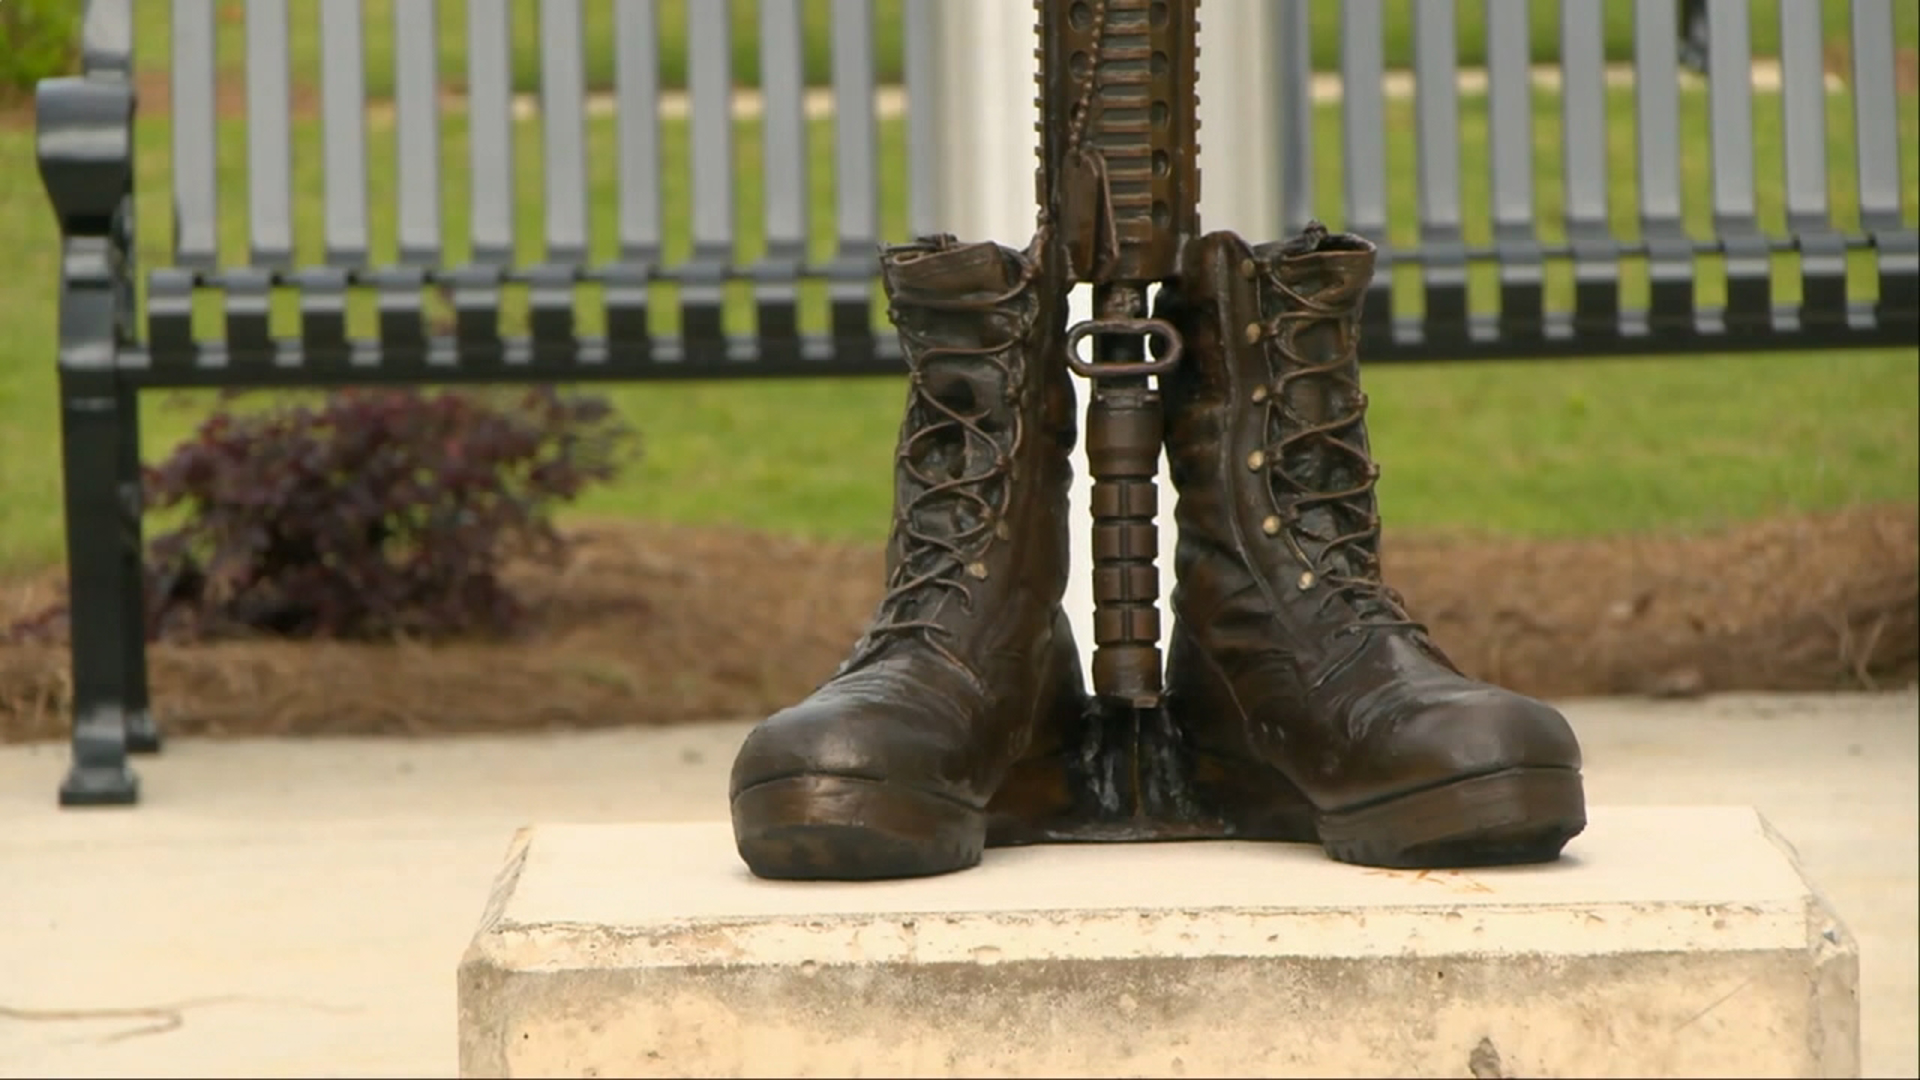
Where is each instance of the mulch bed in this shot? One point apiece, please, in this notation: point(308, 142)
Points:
point(660, 625)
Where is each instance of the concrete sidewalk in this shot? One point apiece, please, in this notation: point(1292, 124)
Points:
point(297, 909)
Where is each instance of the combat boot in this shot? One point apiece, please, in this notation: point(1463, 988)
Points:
point(1311, 706)
point(967, 684)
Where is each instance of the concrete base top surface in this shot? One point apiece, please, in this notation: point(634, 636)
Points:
point(1642, 879)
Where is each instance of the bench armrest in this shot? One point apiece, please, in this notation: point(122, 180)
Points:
point(84, 144)
point(85, 125)
point(84, 141)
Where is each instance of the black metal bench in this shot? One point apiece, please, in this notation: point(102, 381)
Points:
point(125, 327)
point(113, 344)
point(1675, 257)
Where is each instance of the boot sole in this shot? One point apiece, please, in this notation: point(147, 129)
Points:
point(1507, 818)
point(838, 828)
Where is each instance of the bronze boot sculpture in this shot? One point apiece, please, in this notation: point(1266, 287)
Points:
point(967, 684)
point(1310, 705)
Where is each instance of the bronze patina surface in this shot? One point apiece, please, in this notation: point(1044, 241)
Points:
point(1298, 701)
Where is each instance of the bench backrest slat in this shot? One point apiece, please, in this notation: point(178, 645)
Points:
point(1583, 122)
point(1363, 144)
point(637, 120)
point(1363, 120)
point(1804, 116)
point(1510, 120)
point(783, 159)
point(269, 135)
point(343, 123)
point(1293, 54)
point(490, 130)
point(416, 105)
point(1656, 90)
point(1730, 105)
point(710, 94)
point(855, 130)
point(1875, 117)
point(1747, 263)
point(196, 202)
point(1436, 78)
point(563, 127)
point(106, 37)
point(926, 187)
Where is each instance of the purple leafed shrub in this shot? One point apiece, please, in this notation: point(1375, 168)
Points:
point(374, 513)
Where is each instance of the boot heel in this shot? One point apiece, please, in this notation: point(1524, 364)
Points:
point(1506, 818)
point(836, 828)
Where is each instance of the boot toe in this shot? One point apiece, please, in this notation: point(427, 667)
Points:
point(1483, 777)
point(849, 787)
point(852, 736)
point(1489, 730)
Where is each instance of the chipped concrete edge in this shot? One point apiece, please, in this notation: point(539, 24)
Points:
point(482, 1019)
point(1833, 972)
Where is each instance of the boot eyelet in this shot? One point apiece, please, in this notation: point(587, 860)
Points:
point(1253, 332)
point(1001, 531)
point(977, 570)
point(1248, 268)
point(1306, 580)
point(1256, 461)
point(1259, 394)
point(1271, 525)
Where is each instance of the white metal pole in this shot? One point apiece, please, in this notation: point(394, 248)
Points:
point(983, 109)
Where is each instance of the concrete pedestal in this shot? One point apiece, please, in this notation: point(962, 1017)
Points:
point(1669, 942)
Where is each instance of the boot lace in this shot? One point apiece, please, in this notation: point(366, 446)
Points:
point(951, 516)
point(1348, 531)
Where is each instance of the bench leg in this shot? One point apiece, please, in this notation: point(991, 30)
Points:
point(93, 426)
point(143, 732)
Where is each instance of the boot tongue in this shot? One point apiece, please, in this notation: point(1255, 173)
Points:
point(942, 271)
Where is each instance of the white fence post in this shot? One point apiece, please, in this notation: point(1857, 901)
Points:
point(982, 90)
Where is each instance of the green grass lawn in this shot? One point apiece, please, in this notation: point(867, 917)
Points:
point(1541, 449)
